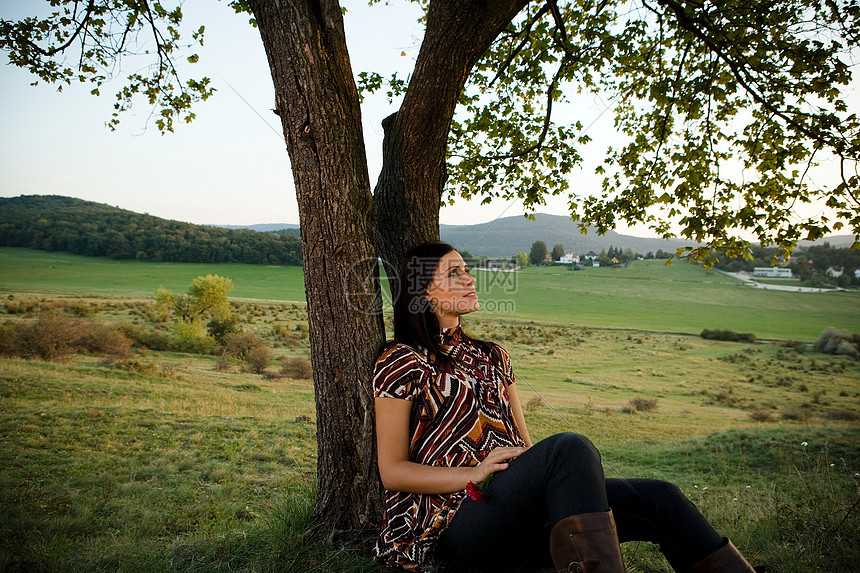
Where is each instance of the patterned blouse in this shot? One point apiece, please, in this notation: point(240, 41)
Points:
point(460, 412)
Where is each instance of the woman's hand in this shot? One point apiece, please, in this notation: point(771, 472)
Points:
point(496, 460)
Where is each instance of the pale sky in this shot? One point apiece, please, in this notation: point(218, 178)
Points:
point(230, 166)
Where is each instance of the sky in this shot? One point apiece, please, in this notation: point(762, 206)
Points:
point(230, 165)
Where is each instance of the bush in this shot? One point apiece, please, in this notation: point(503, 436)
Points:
point(760, 415)
point(53, 336)
point(841, 342)
point(8, 340)
point(297, 368)
point(98, 338)
point(258, 359)
point(221, 329)
point(190, 338)
point(240, 344)
point(728, 335)
point(151, 339)
point(640, 405)
point(799, 413)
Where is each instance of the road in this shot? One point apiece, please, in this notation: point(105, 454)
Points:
point(746, 279)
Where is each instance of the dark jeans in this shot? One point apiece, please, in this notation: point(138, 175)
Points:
point(563, 476)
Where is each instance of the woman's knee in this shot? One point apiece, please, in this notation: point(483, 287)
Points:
point(575, 446)
point(666, 498)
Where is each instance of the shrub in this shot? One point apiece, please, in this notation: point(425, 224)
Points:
point(222, 364)
point(79, 308)
point(258, 359)
point(151, 339)
point(220, 329)
point(800, 413)
point(841, 342)
point(728, 335)
point(53, 336)
point(103, 339)
point(188, 337)
point(642, 405)
point(759, 415)
point(796, 345)
point(8, 340)
point(534, 403)
point(297, 368)
point(240, 344)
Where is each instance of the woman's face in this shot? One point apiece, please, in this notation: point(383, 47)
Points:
point(452, 291)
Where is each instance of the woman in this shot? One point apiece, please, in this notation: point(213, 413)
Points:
point(448, 418)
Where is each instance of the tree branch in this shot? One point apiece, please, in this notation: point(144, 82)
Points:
point(525, 32)
point(81, 26)
point(740, 69)
point(546, 120)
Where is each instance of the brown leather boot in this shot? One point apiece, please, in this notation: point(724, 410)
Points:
point(586, 543)
point(726, 559)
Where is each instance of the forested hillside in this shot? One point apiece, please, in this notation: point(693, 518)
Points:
point(56, 223)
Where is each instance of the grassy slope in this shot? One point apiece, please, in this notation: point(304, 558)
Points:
point(26, 270)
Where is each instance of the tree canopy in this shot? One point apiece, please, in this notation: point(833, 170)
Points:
point(726, 106)
point(207, 298)
point(723, 119)
point(537, 255)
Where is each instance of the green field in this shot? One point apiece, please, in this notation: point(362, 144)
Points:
point(171, 461)
point(647, 295)
point(26, 270)
point(681, 297)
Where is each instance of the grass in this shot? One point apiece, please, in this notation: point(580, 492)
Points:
point(113, 469)
point(650, 296)
point(26, 270)
point(169, 462)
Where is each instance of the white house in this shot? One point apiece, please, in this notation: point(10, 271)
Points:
point(835, 272)
point(569, 258)
point(772, 272)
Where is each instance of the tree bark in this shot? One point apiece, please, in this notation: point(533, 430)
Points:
point(408, 193)
point(317, 101)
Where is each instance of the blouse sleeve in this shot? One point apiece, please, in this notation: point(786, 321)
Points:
point(397, 373)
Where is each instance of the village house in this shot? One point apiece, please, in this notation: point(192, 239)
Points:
point(772, 272)
point(835, 272)
point(569, 259)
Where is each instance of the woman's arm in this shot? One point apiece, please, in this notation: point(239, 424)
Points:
point(398, 473)
point(517, 409)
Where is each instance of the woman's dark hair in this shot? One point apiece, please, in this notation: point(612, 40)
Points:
point(415, 323)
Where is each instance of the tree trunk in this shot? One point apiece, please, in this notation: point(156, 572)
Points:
point(408, 193)
point(317, 101)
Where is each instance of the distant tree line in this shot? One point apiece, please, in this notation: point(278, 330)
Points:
point(810, 264)
point(55, 223)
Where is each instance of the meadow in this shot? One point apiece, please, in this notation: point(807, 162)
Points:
point(169, 461)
